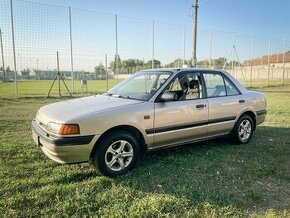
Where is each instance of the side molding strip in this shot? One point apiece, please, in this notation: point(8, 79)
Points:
point(188, 125)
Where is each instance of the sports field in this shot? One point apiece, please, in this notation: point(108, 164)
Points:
point(37, 88)
point(207, 179)
point(40, 88)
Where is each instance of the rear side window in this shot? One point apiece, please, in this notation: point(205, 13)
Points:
point(215, 85)
point(231, 89)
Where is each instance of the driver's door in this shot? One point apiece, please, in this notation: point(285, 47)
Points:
point(183, 120)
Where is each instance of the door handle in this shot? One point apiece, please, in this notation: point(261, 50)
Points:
point(200, 106)
point(241, 101)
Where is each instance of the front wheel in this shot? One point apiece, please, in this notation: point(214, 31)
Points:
point(243, 130)
point(116, 154)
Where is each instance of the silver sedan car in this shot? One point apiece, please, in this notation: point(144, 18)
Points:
point(152, 109)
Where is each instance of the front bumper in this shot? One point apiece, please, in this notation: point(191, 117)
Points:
point(63, 149)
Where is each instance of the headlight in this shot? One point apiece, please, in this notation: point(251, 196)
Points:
point(53, 127)
point(63, 129)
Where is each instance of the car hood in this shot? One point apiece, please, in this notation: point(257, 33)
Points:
point(65, 111)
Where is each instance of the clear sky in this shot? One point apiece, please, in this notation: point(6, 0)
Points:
point(265, 18)
point(41, 30)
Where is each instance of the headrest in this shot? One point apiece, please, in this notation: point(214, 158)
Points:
point(194, 84)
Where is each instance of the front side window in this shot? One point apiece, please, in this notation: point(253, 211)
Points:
point(187, 86)
point(140, 86)
point(215, 85)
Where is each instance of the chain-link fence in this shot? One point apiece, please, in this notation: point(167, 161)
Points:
point(103, 49)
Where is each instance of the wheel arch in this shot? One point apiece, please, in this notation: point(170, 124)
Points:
point(128, 128)
point(250, 114)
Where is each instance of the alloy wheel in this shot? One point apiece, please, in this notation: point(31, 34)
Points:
point(119, 155)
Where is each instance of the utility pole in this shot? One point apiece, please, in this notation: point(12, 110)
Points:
point(2, 52)
point(194, 33)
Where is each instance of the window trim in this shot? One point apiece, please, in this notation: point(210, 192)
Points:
point(223, 77)
point(200, 73)
point(231, 83)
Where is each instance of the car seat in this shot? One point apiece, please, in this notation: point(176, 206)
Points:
point(193, 91)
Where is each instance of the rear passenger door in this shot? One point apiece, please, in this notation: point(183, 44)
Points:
point(223, 102)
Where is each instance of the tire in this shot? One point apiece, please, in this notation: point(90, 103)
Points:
point(243, 130)
point(116, 154)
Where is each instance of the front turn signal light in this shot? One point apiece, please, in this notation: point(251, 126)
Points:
point(69, 129)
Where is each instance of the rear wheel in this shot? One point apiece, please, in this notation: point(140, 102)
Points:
point(243, 130)
point(116, 154)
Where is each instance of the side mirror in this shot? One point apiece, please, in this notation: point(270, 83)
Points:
point(169, 96)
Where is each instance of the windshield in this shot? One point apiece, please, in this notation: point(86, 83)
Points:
point(140, 86)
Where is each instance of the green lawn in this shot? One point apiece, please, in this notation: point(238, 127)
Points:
point(40, 88)
point(36, 88)
point(206, 179)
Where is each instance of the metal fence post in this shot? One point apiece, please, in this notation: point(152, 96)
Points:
point(117, 54)
point(184, 42)
point(210, 48)
point(106, 66)
point(253, 50)
point(14, 54)
point(284, 50)
point(2, 52)
point(233, 55)
point(269, 50)
point(153, 45)
point(71, 50)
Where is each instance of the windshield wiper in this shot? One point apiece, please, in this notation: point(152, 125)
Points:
point(128, 97)
point(124, 96)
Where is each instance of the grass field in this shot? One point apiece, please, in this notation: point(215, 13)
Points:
point(206, 179)
point(36, 88)
point(40, 88)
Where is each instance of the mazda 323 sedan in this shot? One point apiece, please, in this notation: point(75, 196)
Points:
point(152, 109)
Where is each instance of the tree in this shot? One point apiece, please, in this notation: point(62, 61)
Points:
point(219, 63)
point(178, 63)
point(8, 69)
point(157, 64)
point(131, 65)
point(235, 63)
point(116, 64)
point(100, 72)
point(26, 69)
point(204, 63)
point(127, 66)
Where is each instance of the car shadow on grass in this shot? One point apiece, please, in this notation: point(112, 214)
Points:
point(75, 177)
point(252, 177)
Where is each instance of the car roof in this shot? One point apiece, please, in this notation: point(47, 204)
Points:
point(182, 69)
